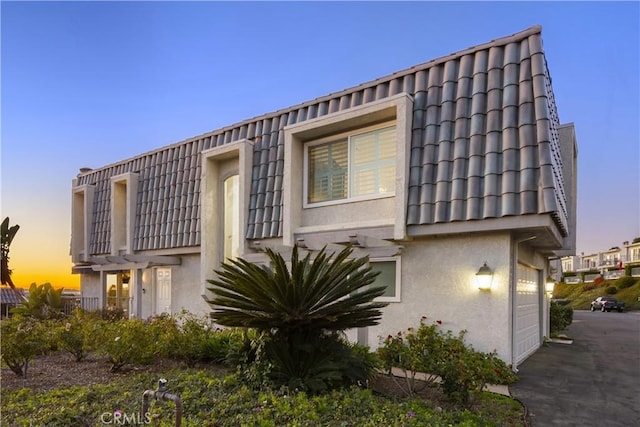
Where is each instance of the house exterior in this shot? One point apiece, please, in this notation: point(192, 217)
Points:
point(9, 299)
point(432, 172)
point(610, 264)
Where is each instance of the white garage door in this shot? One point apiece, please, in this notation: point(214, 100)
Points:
point(527, 328)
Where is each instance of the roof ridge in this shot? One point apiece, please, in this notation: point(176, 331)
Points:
point(536, 29)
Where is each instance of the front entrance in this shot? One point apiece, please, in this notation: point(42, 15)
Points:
point(163, 291)
point(528, 325)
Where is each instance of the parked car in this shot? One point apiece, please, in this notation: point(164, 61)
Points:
point(607, 304)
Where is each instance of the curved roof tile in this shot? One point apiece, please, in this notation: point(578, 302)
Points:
point(484, 145)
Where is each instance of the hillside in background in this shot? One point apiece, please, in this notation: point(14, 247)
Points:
point(580, 295)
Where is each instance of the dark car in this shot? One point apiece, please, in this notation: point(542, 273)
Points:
point(607, 304)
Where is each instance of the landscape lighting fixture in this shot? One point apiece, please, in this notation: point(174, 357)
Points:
point(549, 285)
point(484, 277)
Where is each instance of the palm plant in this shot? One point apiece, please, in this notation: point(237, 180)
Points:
point(6, 236)
point(299, 309)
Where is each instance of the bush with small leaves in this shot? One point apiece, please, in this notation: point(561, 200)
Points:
point(444, 356)
point(625, 282)
point(126, 341)
point(23, 338)
point(561, 316)
point(72, 334)
point(611, 290)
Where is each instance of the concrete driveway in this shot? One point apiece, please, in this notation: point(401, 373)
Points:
point(593, 382)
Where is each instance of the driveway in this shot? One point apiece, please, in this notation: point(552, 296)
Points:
point(593, 382)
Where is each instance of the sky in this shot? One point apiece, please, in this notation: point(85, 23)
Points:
point(86, 84)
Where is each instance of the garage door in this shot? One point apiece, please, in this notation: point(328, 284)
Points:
point(527, 328)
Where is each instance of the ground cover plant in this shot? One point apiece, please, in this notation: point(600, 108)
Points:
point(216, 397)
point(61, 390)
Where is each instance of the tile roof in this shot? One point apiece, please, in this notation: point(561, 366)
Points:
point(484, 145)
point(9, 296)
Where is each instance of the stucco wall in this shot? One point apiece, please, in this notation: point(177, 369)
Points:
point(438, 281)
point(186, 286)
point(90, 285)
point(362, 211)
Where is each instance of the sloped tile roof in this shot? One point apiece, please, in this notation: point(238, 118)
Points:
point(484, 145)
point(9, 296)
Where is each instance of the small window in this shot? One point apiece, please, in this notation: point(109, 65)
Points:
point(389, 277)
point(357, 165)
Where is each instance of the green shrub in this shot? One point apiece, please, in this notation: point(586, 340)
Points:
point(299, 309)
point(429, 350)
point(611, 290)
point(625, 282)
point(23, 338)
point(561, 316)
point(110, 314)
point(44, 302)
point(125, 341)
point(212, 400)
point(72, 334)
point(189, 338)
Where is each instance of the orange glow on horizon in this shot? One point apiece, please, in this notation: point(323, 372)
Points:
point(57, 278)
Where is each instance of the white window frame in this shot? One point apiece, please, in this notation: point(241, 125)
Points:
point(338, 138)
point(396, 107)
point(398, 282)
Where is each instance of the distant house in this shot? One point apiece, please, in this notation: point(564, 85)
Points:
point(610, 264)
point(433, 172)
point(10, 298)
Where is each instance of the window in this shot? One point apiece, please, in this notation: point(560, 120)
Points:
point(389, 277)
point(231, 206)
point(124, 190)
point(356, 165)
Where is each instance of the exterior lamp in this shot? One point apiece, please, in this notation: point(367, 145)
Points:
point(484, 277)
point(549, 285)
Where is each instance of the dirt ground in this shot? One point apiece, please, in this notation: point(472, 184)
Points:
point(59, 369)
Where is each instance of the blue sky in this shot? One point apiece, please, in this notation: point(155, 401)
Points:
point(91, 83)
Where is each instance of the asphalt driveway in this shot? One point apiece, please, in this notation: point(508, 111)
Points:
point(593, 382)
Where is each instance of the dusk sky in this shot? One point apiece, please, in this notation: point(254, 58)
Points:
point(86, 84)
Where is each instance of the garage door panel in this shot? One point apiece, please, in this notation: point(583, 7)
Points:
point(527, 327)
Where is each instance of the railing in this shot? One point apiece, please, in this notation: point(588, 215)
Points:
point(69, 304)
point(572, 280)
point(613, 274)
point(90, 303)
point(588, 278)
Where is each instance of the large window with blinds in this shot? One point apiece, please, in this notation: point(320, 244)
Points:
point(356, 165)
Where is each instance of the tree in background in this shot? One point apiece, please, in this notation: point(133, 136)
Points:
point(8, 233)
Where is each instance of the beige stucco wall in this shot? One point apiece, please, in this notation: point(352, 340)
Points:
point(186, 289)
point(381, 211)
point(90, 285)
point(438, 281)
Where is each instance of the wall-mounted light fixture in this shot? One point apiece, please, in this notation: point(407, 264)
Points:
point(484, 277)
point(549, 284)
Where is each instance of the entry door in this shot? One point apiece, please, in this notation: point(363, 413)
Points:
point(527, 328)
point(163, 290)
